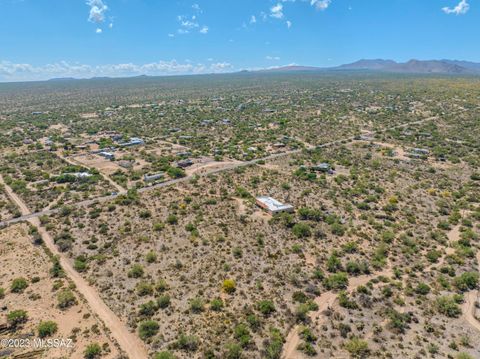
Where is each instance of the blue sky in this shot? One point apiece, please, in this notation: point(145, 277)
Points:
point(41, 39)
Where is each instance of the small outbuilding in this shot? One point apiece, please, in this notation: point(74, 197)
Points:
point(272, 205)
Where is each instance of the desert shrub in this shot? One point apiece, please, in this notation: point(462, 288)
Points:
point(17, 317)
point(448, 306)
point(136, 271)
point(233, 351)
point(463, 356)
point(80, 264)
point(274, 344)
point(144, 289)
point(18, 285)
point(336, 281)
point(148, 309)
point(161, 286)
point(187, 342)
point(2, 293)
point(197, 305)
point(229, 286)
point(466, 281)
point(306, 213)
point(346, 302)
point(216, 304)
point(357, 268)
point(66, 299)
point(302, 230)
point(164, 355)
point(422, 289)
point(334, 264)
point(151, 257)
point(92, 351)
point(398, 322)
point(242, 334)
point(46, 329)
point(172, 219)
point(301, 312)
point(357, 348)
point(299, 297)
point(148, 329)
point(56, 271)
point(159, 226)
point(266, 307)
point(307, 348)
point(163, 301)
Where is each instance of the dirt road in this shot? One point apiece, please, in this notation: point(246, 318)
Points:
point(128, 341)
point(468, 308)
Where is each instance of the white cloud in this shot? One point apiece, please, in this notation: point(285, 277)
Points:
point(190, 23)
point(253, 19)
point(321, 4)
point(277, 11)
point(272, 58)
point(289, 24)
point(26, 72)
point(98, 31)
point(196, 7)
point(97, 11)
point(462, 8)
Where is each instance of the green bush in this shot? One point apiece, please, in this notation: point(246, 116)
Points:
point(144, 289)
point(187, 342)
point(448, 306)
point(148, 309)
point(2, 293)
point(148, 329)
point(163, 301)
point(17, 317)
point(467, 281)
point(357, 348)
point(336, 281)
point(302, 230)
point(242, 334)
point(46, 329)
point(92, 351)
point(66, 299)
point(197, 305)
point(233, 351)
point(422, 289)
point(136, 271)
point(165, 355)
point(266, 307)
point(216, 304)
point(18, 285)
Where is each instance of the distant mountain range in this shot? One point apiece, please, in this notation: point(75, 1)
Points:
point(453, 67)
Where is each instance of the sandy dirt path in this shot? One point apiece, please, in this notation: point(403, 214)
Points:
point(128, 341)
point(324, 301)
point(468, 307)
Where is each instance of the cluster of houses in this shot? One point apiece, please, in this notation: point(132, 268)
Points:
point(109, 154)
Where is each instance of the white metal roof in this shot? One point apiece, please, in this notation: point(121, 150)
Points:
point(274, 205)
